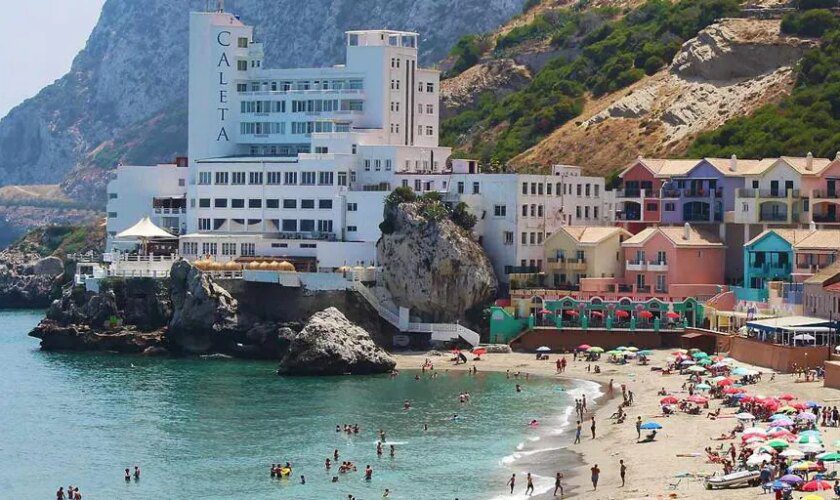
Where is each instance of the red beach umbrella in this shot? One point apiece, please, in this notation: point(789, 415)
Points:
point(597, 314)
point(546, 311)
point(787, 397)
point(672, 315)
point(479, 351)
point(583, 347)
point(621, 313)
point(724, 382)
point(816, 486)
point(571, 312)
point(698, 399)
point(645, 314)
point(668, 400)
point(733, 390)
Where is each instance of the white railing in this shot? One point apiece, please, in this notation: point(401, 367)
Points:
point(445, 332)
point(386, 313)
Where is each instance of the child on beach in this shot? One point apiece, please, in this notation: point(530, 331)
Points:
point(577, 433)
point(557, 484)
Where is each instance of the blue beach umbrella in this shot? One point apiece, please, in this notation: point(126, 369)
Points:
point(650, 426)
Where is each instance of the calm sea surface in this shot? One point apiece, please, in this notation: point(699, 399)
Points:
point(210, 428)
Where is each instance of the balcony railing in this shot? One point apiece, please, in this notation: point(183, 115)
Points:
point(635, 265)
point(766, 193)
point(657, 266)
point(643, 289)
point(170, 211)
point(825, 194)
point(772, 217)
point(826, 218)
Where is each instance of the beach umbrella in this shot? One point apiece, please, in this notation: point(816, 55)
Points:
point(816, 486)
point(755, 430)
point(783, 422)
point(672, 315)
point(633, 349)
point(812, 497)
point(786, 409)
point(699, 355)
point(741, 372)
point(595, 349)
point(615, 352)
point(812, 404)
point(596, 314)
point(669, 400)
point(704, 362)
point(779, 485)
point(781, 434)
point(733, 390)
point(812, 447)
point(831, 456)
point(621, 348)
point(787, 397)
point(806, 416)
point(687, 362)
point(583, 347)
point(804, 465)
point(571, 312)
point(754, 439)
point(810, 433)
point(698, 399)
point(621, 313)
point(702, 387)
point(791, 479)
point(645, 314)
point(680, 351)
point(546, 311)
point(650, 426)
point(696, 369)
point(725, 382)
point(778, 444)
point(745, 416)
point(759, 458)
point(792, 453)
point(480, 351)
point(645, 352)
point(544, 348)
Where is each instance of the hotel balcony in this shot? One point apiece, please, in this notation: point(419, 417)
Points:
point(821, 194)
point(556, 264)
point(769, 194)
point(635, 265)
point(635, 194)
point(702, 193)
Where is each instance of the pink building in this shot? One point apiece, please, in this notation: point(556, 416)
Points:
point(668, 262)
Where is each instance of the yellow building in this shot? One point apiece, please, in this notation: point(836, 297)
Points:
point(575, 252)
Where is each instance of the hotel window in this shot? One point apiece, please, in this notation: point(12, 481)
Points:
point(242, 87)
point(668, 207)
point(533, 188)
point(755, 184)
point(524, 188)
point(220, 203)
point(533, 210)
point(548, 189)
point(476, 188)
point(352, 207)
point(524, 210)
point(289, 203)
point(351, 229)
point(587, 189)
point(577, 212)
point(307, 204)
point(524, 238)
point(539, 238)
point(388, 162)
point(112, 215)
point(192, 202)
point(325, 204)
point(237, 203)
point(290, 178)
point(204, 203)
point(307, 224)
point(238, 178)
point(342, 178)
point(307, 178)
point(578, 189)
point(460, 187)
point(308, 245)
point(255, 178)
point(377, 165)
point(430, 109)
point(221, 177)
point(405, 183)
point(533, 238)
point(507, 237)
point(597, 189)
point(651, 207)
point(430, 130)
point(595, 212)
point(418, 185)
point(325, 178)
point(204, 178)
point(204, 225)
point(254, 203)
point(420, 87)
point(242, 65)
point(367, 165)
point(228, 248)
point(420, 109)
point(325, 226)
point(540, 188)
point(289, 225)
point(247, 249)
point(272, 203)
point(500, 210)
point(539, 210)
point(273, 178)
point(586, 212)
point(430, 87)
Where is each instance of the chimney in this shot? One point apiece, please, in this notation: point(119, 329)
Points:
point(733, 163)
point(687, 231)
point(809, 161)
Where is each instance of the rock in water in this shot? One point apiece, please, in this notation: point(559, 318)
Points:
point(203, 313)
point(433, 267)
point(329, 344)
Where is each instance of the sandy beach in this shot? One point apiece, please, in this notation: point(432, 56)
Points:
point(653, 469)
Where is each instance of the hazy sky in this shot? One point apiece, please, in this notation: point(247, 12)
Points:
point(41, 37)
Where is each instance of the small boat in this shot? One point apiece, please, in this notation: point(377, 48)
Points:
point(734, 480)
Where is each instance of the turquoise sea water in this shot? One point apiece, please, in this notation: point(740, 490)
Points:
point(210, 428)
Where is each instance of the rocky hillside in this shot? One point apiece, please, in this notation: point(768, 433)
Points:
point(598, 83)
point(124, 98)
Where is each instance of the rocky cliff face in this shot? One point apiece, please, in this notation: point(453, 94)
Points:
point(329, 344)
point(433, 267)
point(125, 95)
point(730, 69)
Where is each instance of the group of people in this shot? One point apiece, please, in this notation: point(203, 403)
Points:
point(347, 428)
point(72, 493)
point(279, 471)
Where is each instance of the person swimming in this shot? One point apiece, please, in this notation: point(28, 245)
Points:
point(368, 473)
point(534, 423)
point(127, 474)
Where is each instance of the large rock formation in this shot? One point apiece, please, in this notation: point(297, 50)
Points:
point(329, 344)
point(433, 267)
point(125, 96)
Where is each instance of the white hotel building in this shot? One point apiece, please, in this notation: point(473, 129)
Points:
point(296, 163)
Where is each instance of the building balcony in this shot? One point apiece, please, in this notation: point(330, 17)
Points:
point(821, 194)
point(767, 193)
point(657, 266)
point(170, 211)
point(643, 289)
point(560, 264)
point(635, 265)
point(772, 217)
point(769, 270)
point(825, 218)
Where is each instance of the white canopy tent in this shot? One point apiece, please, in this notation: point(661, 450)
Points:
point(144, 231)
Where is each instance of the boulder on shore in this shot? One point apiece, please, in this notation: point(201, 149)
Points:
point(57, 337)
point(329, 344)
point(433, 267)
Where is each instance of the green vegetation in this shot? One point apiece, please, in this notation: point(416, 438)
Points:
point(816, 4)
point(431, 208)
point(614, 52)
point(467, 51)
point(815, 22)
point(807, 120)
point(62, 240)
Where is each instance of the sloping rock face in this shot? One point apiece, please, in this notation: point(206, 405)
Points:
point(499, 77)
point(125, 96)
point(730, 69)
point(329, 344)
point(434, 267)
point(27, 280)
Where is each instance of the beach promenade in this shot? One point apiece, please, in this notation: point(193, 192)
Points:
point(672, 466)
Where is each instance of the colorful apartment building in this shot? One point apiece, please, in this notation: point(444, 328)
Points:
point(573, 253)
point(768, 257)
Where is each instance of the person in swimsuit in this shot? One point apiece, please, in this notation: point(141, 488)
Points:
point(512, 482)
point(59, 495)
point(622, 470)
point(127, 475)
point(393, 450)
point(557, 484)
point(136, 473)
point(368, 473)
point(529, 488)
point(596, 472)
point(592, 427)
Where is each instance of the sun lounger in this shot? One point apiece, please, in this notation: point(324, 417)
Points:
point(672, 485)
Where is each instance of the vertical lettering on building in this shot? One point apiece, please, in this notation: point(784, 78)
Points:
point(223, 39)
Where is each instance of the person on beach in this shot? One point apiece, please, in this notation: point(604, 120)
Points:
point(335, 454)
point(577, 433)
point(327, 464)
point(529, 488)
point(518, 388)
point(59, 495)
point(368, 473)
point(379, 448)
point(393, 451)
point(558, 485)
point(583, 404)
point(592, 427)
point(638, 428)
point(302, 479)
point(387, 493)
point(127, 475)
point(596, 472)
point(512, 482)
point(622, 470)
